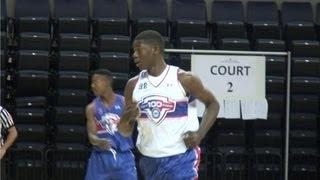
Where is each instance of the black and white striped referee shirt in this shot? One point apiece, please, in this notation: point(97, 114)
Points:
point(6, 122)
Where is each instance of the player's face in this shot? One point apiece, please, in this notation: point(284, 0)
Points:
point(99, 84)
point(143, 55)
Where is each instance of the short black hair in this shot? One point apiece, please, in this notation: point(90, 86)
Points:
point(151, 37)
point(105, 72)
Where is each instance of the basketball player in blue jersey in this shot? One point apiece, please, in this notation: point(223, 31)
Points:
point(158, 100)
point(111, 157)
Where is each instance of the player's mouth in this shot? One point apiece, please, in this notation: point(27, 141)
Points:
point(137, 62)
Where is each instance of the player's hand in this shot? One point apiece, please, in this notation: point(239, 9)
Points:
point(191, 139)
point(2, 152)
point(131, 111)
point(103, 144)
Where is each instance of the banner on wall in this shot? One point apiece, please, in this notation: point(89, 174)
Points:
point(238, 82)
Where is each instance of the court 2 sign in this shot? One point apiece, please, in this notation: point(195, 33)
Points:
point(237, 81)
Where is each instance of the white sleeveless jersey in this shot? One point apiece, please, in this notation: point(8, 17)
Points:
point(165, 114)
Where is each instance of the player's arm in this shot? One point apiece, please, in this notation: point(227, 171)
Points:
point(130, 111)
point(194, 87)
point(12, 135)
point(92, 130)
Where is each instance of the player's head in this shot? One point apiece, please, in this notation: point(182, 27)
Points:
point(148, 46)
point(101, 81)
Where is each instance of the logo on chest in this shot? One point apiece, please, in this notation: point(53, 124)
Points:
point(109, 122)
point(157, 107)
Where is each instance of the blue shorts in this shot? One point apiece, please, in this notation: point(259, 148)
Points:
point(105, 165)
point(179, 167)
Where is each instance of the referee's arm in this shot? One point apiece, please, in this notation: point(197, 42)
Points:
point(7, 123)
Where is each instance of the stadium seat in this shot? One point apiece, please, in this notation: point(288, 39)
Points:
point(236, 171)
point(117, 62)
point(233, 154)
point(275, 84)
point(229, 138)
point(69, 115)
point(3, 16)
point(302, 155)
point(194, 43)
point(267, 155)
point(34, 41)
point(28, 161)
point(267, 138)
point(71, 97)
point(276, 102)
point(230, 124)
point(3, 57)
point(68, 161)
point(228, 20)
point(267, 171)
point(119, 81)
point(303, 48)
point(72, 16)
point(191, 24)
point(33, 60)
point(269, 45)
point(30, 20)
point(74, 61)
point(305, 103)
point(33, 27)
point(72, 80)
point(31, 116)
point(32, 133)
point(233, 44)
point(74, 42)
point(275, 66)
point(111, 17)
point(267, 163)
point(32, 83)
point(303, 171)
point(303, 121)
point(263, 20)
point(306, 66)
point(318, 20)
point(305, 85)
point(210, 164)
point(303, 139)
point(149, 15)
point(114, 43)
point(273, 121)
point(70, 134)
point(183, 61)
point(297, 19)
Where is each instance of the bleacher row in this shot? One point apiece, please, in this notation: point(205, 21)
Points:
point(47, 57)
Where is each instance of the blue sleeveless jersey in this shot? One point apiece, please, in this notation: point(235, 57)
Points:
point(107, 120)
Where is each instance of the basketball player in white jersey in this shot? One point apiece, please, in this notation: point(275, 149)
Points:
point(157, 99)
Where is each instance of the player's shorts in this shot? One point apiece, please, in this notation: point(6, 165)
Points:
point(105, 165)
point(179, 167)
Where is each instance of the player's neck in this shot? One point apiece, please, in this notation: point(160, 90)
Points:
point(157, 68)
point(108, 98)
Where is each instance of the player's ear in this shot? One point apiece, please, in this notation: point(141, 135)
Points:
point(156, 50)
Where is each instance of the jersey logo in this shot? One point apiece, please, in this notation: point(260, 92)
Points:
point(109, 122)
point(157, 107)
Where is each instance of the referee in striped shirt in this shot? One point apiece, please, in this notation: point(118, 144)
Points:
point(6, 124)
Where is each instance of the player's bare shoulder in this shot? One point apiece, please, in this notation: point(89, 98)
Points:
point(132, 81)
point(128, 90)
point(188, 80)
point(131, 84)
point(90, 108)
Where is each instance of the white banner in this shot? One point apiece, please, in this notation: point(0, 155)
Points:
point(238, 82)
